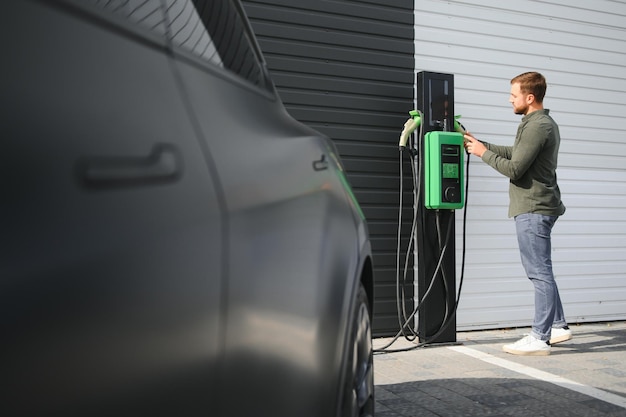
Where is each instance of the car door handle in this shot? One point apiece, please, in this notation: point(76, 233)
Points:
point(163, 164)
point(321, 164)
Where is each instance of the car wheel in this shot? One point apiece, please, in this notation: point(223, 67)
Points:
point(359, 392)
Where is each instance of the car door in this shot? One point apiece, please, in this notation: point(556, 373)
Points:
point(292, 240)
point(111, 265)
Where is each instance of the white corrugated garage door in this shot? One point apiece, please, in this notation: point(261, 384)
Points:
point(580, 47)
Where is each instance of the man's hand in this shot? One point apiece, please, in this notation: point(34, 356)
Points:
point(473, 145)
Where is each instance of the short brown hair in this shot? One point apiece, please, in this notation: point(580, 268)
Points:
point(532, 83)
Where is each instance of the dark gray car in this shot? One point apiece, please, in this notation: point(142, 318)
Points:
point(173, 242)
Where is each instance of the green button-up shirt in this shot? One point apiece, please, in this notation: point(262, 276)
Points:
point(531, 166)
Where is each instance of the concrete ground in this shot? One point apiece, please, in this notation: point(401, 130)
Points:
point(585, 376)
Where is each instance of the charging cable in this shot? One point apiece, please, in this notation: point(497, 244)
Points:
point(450, 314)
point(409, 127)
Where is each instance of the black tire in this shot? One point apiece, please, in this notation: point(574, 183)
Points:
point(359, 390)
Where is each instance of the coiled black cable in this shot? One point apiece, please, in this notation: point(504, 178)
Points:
point(449, 315)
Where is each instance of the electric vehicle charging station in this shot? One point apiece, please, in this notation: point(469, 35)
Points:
point(443, 170)
point(438, 155)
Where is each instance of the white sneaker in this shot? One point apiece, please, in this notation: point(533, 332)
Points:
point(560, 335)
point(528, 346)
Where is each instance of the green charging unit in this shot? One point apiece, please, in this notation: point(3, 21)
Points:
point(443, 170)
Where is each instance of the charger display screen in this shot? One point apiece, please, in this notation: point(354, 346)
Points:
point(450, 171)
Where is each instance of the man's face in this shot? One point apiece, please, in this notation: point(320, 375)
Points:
point(519, 100)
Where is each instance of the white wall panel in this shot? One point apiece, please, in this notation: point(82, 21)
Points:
point(580, 47)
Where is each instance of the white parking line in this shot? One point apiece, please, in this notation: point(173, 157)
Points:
point(542, 376)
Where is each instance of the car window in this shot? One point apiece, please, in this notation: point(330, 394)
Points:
point(213, 31)
point(188, 32)
point(147, 14)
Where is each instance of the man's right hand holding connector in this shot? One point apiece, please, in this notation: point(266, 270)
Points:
point(473, 145)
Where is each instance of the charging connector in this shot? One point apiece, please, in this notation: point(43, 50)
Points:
point(458, 126)
point(409, 127)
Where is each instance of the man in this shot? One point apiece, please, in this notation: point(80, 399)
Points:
point(535, 204)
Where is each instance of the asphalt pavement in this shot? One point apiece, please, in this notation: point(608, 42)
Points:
point(585, 376)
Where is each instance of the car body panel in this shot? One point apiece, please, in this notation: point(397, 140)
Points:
point(107, 288)
point(173, 241)
point(286, 285)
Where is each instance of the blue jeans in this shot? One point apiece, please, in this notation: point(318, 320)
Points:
point(533, 237)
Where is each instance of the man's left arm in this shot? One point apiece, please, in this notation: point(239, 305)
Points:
point(525, 151)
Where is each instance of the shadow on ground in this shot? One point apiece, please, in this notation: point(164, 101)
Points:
point(487, 397)
point(605, 341)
